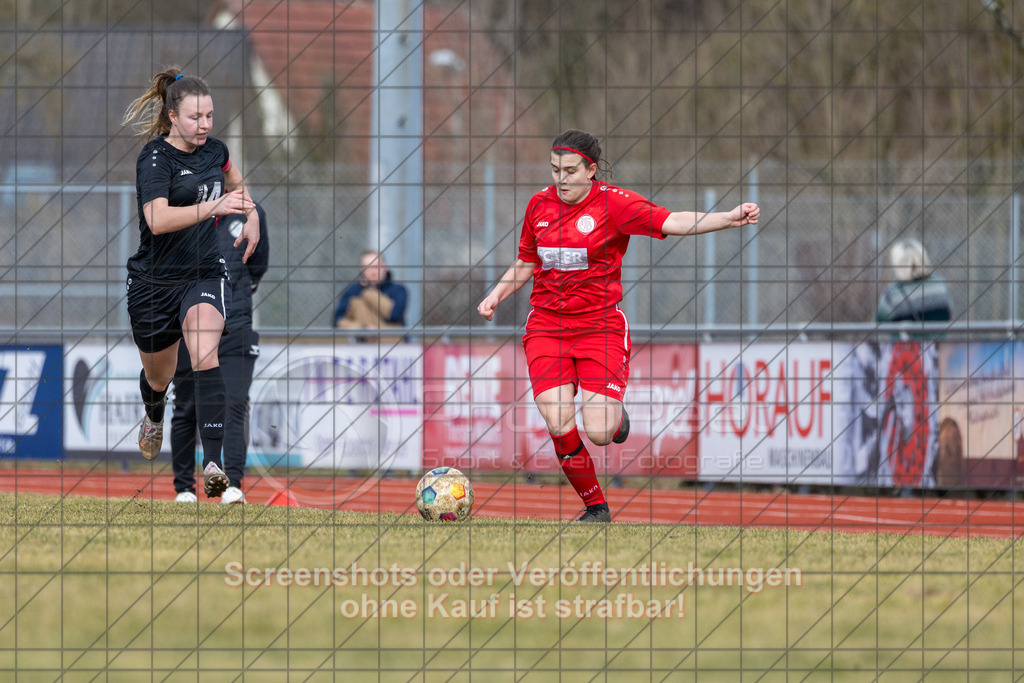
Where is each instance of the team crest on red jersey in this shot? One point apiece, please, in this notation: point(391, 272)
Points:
point(585, 224)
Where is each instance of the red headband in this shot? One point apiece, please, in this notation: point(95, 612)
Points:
point(574, 151)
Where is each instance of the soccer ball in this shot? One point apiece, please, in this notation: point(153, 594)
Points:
point(444, 494)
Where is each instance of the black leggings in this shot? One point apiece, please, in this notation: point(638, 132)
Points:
point(237, 372)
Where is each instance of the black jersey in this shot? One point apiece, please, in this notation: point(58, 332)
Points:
point(184, 179)
point(245, 278)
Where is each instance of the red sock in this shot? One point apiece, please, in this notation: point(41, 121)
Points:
point(618, 431)
point(578, 467)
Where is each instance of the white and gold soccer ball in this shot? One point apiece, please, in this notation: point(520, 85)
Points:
point(444, 494)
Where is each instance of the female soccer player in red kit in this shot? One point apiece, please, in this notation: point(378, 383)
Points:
point(575, 234)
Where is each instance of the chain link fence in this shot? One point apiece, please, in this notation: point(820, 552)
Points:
point(818, 255)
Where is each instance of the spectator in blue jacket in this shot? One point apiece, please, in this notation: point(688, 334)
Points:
point(374, 301)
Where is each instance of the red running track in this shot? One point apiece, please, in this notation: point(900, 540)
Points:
point(853, 514)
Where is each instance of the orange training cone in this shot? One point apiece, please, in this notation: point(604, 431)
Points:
point(284, 498)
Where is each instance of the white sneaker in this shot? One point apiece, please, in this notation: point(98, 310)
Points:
point(232, 494)
point(185, 497)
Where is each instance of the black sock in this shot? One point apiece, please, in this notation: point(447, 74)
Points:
point(152, 399)
point(211, 397)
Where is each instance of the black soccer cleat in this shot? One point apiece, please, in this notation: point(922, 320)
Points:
point(623, 427)
point(596, 513)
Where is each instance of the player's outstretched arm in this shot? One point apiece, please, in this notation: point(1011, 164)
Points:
point(695, 223)
point(517, 275)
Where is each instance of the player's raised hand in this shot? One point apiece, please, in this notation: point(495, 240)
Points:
point(251, 234)
point(236, 201)
point(745, 214)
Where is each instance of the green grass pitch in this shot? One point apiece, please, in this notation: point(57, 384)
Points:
point(128, 589)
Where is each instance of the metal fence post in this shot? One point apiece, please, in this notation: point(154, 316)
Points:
point(710, 201)
point(1014, 256)
point(753, 281)
point(489, 238)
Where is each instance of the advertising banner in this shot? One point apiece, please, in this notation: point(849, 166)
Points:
point(480, 413)
point(311, 405)
point(886, 418)
point(338, 406)
point(31, 396)
point(868, 414)
point(662, 404)
point(981, 417)
point(474, 406)
point(104, 407)
point(766, 412)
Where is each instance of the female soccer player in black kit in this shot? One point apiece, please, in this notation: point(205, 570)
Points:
point(177, 282)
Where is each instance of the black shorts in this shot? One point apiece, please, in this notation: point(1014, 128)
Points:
point(158, 310)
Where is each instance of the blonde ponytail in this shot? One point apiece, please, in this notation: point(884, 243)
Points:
point(149, 113)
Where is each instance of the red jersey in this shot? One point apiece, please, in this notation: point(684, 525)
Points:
point(578, 248)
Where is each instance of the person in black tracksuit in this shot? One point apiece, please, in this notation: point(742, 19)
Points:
point(239, 349)
point(177, 287)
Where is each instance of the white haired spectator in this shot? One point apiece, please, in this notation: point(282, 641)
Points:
point(918, 294)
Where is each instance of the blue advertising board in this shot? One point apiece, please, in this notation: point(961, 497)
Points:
point(31, 401)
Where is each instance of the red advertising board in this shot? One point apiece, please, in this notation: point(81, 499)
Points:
point(470, 405)
point(479, 413)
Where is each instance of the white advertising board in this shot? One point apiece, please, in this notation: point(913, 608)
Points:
point(340, 406)
point(765, 412)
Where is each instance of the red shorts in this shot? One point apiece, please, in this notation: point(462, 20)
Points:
point(592, 353)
